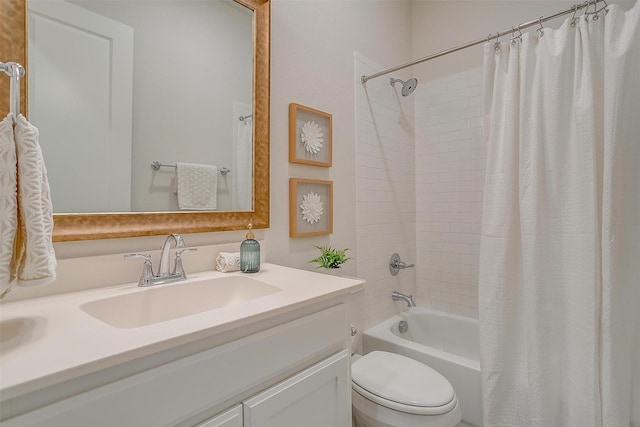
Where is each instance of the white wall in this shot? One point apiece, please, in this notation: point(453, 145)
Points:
point(313, 44)
point(386, 186)
point(312, 51)
point(449, 179)
point(440, 25)
point(312, 63)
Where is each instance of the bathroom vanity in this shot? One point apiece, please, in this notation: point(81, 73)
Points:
point(274, 352)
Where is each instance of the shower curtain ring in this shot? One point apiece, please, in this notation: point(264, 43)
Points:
point(496, 44)
point(595, 10)
point(514, 37)
point(541, 29)
point(573, 18)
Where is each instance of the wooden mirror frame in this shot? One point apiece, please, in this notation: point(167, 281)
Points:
point(69, 227)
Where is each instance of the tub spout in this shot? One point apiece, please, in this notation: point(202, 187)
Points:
point(397, 296)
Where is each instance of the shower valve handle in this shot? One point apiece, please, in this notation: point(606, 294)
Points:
point(395, 264)
point(401, 265)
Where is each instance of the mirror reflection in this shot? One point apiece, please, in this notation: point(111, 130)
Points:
point(115, 85)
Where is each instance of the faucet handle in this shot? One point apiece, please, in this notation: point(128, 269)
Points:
point(177, 266)
point(147, 257)
point(180, 251)
point(147, 268)
point(402, 265)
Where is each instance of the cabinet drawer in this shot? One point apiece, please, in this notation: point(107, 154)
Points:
point(174, 392)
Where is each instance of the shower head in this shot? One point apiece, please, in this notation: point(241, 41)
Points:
point(407, 87)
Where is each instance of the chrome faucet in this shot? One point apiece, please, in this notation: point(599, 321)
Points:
point(147, 278)
point(397, 296)
point(163, 268)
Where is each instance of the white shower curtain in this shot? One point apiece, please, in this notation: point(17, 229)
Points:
point(559, 283)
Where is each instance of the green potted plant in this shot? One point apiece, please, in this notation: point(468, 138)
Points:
point(331, 259)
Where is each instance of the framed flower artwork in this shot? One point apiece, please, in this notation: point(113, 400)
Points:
point(310, 207)
point(309, 136)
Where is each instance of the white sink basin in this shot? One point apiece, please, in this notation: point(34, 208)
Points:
point(166, 302)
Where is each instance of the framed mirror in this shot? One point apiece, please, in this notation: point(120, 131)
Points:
point(87, 224)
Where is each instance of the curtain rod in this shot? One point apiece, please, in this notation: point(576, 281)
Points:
point(496, 36)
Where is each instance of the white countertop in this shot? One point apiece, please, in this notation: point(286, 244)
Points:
point(46, 341)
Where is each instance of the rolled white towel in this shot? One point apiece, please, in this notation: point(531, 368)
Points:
point(228, 262)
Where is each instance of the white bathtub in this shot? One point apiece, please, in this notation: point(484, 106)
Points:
point(446, 342)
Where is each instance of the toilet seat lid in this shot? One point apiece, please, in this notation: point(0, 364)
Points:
point(402, 380)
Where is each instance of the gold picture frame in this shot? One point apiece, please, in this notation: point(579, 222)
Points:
point(310, 136)
point(310, 207)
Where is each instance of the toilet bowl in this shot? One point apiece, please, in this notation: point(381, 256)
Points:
point(391, 390)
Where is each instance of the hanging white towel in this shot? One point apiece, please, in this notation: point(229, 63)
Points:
point(34, 247)
point(8, 203)
point(197, 186)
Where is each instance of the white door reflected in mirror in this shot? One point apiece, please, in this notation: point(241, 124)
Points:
point(114, 85)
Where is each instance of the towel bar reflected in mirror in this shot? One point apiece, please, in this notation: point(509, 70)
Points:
point(156, 165)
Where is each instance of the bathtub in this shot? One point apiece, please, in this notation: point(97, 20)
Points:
point(446, 342)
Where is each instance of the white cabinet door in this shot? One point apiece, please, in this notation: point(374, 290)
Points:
point(230, 418)
point(316, 397)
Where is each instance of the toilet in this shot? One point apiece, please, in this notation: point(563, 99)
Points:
point(391, 390)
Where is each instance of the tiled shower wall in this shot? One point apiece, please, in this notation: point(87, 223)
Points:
point(385, 191)
point(450, 164)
